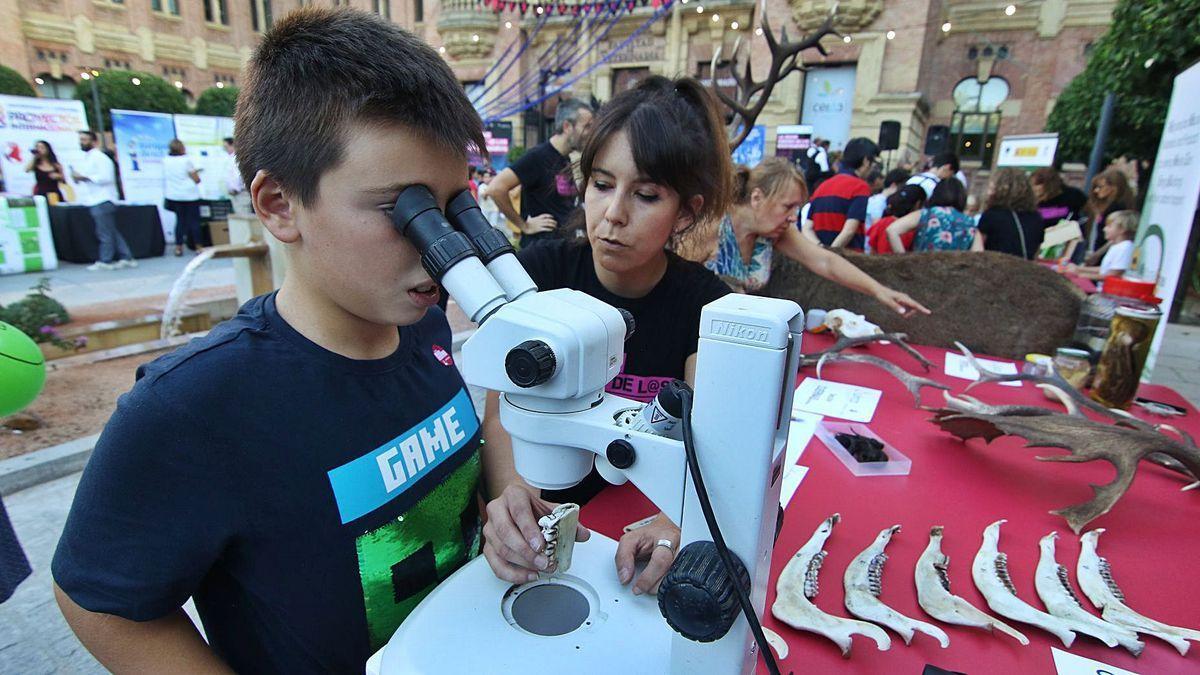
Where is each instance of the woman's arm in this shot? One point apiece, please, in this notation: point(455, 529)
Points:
point(977, 241)
point(900, 227)
point(808, 232)
point(837, 269)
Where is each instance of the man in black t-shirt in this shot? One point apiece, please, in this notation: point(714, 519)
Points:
point(548, 191)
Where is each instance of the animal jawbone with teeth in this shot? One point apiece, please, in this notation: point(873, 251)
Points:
point(990, 572)
point(864, 585)
point(798, 585)
point(1095, 578)
point(1054, 588)
point(934, 596)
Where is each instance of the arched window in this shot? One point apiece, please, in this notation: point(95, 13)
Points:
point(977, 117)
point(50, 87)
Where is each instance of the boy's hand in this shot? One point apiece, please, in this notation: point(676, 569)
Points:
point(642, 544)
point(513, 541)
point(540, 223)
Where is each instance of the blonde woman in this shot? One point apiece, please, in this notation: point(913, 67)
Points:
point(762, 220)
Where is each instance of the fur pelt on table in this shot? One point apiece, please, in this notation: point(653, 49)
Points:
point(994, 303)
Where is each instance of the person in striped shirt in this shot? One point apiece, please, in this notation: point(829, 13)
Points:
point(839, 205)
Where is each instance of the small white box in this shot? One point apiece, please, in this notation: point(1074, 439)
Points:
point(897, 464)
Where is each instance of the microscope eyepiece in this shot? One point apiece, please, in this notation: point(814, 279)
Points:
point(464, 214)
point(417, 217)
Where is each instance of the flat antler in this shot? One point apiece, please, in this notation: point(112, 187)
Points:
point(1087, 441)
point(784, 61)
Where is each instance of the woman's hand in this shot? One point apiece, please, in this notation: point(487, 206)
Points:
point(642, 544)
point(513, 540)
point(901, 302)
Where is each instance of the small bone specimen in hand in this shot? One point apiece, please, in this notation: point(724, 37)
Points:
point(864, 585)
point(1054, 588)
point(1095, 578)
point(558, 529)
point(798, 585)
point(990, 572)
point(934, 596)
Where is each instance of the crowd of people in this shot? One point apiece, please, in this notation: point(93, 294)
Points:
point(243, 497)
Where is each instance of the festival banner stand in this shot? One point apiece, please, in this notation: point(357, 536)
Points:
point(1170, 207)
point(751, 151)
point(204, 138)
point(142, 139)
point(26, 120)
point(26, 244)
point(793, 141)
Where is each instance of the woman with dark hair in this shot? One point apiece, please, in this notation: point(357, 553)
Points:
point(655, 167)
point(942, 224)
point(1009, 223)
point(1110, 192)
point(47, 172)
point(762, 221)
point(182, 196)
point(902, 202)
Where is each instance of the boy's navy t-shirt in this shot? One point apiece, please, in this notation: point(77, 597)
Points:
point(307, 501)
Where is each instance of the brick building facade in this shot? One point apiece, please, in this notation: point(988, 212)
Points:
point(994, 72)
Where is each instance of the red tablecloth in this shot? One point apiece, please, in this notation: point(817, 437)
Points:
point(1151, 540)
point(1086, 285)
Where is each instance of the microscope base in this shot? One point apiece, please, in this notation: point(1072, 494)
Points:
point(470, 623)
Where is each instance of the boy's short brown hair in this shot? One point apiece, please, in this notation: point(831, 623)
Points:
point(321, 69)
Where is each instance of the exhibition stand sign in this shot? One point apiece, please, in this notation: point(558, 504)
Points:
point(204, 137)
point(142, 139)
point(793, 141)
point(750, 152)
point(1028, 151)
point(26, 244)
point(1170, 206)
point(24, 121)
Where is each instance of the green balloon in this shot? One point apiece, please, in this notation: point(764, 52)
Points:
point(22, 370)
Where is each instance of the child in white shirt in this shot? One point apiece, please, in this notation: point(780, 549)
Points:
point(1120, 227)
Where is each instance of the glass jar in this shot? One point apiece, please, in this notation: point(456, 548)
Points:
point(1074, 365)
point(1119, 369)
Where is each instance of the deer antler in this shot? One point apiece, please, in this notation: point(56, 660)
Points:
point(1087, 441)
point(784, 58)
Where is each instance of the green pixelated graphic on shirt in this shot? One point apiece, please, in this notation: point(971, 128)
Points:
point(400, 562)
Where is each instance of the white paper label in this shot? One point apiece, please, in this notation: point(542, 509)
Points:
point(835, 399)
point(957, 365)
point(801, 430)
point(1067, 663)
point(791, 481)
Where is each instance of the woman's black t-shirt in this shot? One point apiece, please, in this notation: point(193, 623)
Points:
point(999, 229)
point(666, 323)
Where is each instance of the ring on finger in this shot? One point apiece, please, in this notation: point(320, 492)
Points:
point(665, 543)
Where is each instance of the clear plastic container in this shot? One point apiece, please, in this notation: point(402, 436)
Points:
point(896, 465)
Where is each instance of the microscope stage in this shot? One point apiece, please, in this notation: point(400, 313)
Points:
point(584, 621)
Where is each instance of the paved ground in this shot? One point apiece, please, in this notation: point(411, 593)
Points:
point(34, 639)
point(74, 286)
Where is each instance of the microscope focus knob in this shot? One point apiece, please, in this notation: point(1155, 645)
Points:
point(697, 597)
point(629, 322)
point(530, 363)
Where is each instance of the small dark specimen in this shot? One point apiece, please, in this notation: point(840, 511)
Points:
point(862, 448)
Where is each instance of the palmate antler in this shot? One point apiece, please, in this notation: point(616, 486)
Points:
point(1073, 400)
point(784, 60)
point(1087, 440)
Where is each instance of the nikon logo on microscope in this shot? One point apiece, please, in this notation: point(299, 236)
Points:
point(741, 331)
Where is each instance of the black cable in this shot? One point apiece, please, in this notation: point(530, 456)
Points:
point(726, 557)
